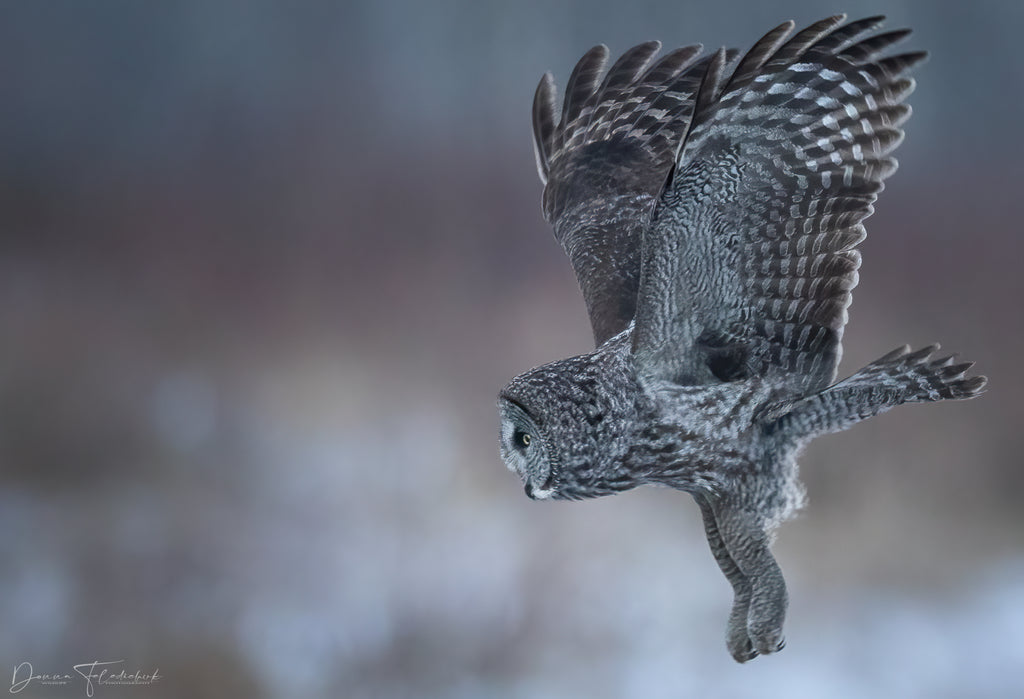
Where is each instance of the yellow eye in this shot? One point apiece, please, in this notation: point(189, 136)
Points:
point(522, 439)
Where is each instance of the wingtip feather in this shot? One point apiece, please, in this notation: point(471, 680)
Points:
point(544, 123)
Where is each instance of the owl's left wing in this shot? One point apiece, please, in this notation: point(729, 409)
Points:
point(749, 263)
point(603, 161)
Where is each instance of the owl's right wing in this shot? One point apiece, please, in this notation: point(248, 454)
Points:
point(749, 262)
point(604, 159)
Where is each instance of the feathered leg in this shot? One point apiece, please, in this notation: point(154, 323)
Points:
point(737, 639)
point(759, 610)
point(899, 377)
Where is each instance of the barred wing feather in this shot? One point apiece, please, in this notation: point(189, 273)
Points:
point(604, 157)
point(749, 263)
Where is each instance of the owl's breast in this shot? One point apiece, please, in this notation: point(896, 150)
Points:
point(704, 436)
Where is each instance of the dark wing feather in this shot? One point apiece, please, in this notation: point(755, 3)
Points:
point(802, 40)
point(613, 92)
point(544, 124)
point(752, 63)
point(749, 262)
point(581, 88)
point(605, 162)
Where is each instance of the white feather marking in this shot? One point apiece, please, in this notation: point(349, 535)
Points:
point(781, 88)
point(868, 78)
point(849, 88)
point(869, 100)
point(804, 67)
point(851, 111)
point(831, 75)
point(826, 179)
point(827, 102)
point(830, 121)
point(857, 153)
point(868, 128)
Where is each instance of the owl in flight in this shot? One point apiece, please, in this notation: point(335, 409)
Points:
point(711, 208)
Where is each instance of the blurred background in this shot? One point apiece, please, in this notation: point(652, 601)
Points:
point(263, 269)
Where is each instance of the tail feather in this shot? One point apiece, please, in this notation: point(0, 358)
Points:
point(901, 376)
point(916, 377)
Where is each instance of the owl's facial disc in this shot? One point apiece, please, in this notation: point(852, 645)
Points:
point(524, 450)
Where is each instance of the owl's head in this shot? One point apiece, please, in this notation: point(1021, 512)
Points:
point(527, 450)
point(565, 427)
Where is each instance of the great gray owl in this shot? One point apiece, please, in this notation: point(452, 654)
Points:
point(711, 208)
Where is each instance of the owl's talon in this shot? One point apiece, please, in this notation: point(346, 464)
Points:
point(743, 653)
point(739, 644)
point(768, 642)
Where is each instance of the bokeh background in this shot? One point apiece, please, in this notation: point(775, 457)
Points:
point(263, 268)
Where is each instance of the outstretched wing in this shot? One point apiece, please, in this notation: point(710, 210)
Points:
point(604, 161)
point(749, 262)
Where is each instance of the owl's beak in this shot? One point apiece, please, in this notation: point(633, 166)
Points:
point(536, 493)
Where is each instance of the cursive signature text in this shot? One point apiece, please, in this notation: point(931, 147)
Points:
point(24, 674)
point(96, 673)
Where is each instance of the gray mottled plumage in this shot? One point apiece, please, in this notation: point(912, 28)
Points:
point(711, 208)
